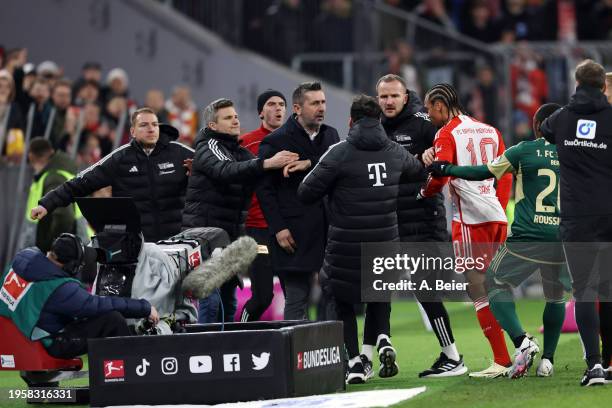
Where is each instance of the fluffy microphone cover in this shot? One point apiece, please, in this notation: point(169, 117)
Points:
point(219, 268)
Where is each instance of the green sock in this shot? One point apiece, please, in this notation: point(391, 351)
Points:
point(502, 306)
point(553, 317)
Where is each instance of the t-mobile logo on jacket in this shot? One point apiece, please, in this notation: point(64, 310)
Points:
point(379, 173)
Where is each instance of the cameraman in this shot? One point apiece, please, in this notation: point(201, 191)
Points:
point(43, 298)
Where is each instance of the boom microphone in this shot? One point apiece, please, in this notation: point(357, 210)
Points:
point(218, 269)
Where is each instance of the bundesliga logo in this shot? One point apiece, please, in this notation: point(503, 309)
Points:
point(13, 289)
point(114, 371)
point(318, 358)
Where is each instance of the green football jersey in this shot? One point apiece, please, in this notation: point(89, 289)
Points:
point(536, 166)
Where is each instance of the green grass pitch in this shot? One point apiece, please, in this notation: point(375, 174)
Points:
point(417, 349)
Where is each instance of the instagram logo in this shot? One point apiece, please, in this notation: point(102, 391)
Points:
point(169, 366)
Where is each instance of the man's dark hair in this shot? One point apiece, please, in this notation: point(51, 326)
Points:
point(590, 73)
point(88, 83)
point(447, 94)
point(300, 91)
point(40, 147)
point(391, 78)
point(138, 112)
point(545, 111)
point(40, 80)
point(210, 112)
point(364, 106)
point(60, 83)
point(92, 65)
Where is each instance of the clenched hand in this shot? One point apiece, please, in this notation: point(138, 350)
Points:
point(38, 212)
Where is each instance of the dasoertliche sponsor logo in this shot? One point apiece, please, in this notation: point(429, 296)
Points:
point(318, 358)
point(585, 143)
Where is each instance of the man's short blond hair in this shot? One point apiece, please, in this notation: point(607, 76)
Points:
point(134, 117)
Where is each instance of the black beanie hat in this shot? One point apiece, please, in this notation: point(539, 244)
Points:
point(264, 96)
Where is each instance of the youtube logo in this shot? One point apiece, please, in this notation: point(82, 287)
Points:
point(200, 364)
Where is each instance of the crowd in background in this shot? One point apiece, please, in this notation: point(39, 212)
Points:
point(88, 116)
point(284, 29)
point(326, 25)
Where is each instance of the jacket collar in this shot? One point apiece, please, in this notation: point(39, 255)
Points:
point(588, 100)
point(390, 124)
point(367, 134)
point(227, 140)
point(161, 144)
point(294, 126)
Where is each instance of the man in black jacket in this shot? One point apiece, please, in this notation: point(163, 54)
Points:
point(419, 220)
point(582, 131)
point(361, 176)
point(297, 230)
point(149, 169)
point(220, 187)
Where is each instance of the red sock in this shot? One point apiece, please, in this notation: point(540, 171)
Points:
point(493, 332)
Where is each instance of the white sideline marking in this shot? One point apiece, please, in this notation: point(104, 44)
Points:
point(360, 399)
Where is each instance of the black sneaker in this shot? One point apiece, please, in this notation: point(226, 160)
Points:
point(367, 367)
point(387, 356)
point(356, 374)
point(608, 372)
point(445, 367)
point(594, 376)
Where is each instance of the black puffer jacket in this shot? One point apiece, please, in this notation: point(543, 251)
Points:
point(222, 180)
point(423, 220)
point(156, 182)
point(582, 131)
point(361, 176)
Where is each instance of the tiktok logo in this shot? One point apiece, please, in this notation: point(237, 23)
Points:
point(379, 175)
point(141, 369)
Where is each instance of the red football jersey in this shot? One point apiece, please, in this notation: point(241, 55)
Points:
point(464, 141)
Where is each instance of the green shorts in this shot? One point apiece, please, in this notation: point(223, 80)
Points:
point(513, 263)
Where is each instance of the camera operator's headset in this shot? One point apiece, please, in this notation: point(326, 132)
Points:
point(73, 266)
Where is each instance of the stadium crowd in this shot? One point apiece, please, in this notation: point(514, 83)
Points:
point(284, 29)
point(182, 177)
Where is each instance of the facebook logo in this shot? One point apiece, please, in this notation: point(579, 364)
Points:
point(585, 129)
point(231, 362)
point(379, 173)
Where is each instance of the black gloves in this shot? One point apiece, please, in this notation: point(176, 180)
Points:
point(439, 168)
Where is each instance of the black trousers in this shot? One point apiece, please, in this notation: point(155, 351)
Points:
point(588, 249)
point(262, 277)
point(72, 341)
point(377, 322)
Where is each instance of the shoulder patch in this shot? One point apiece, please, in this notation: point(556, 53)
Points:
point(422, 115)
